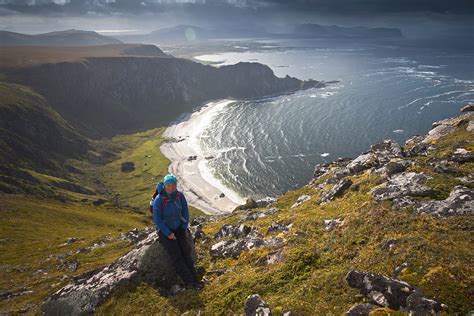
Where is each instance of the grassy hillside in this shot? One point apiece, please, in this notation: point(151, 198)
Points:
point(311, 277)
point(23, 56)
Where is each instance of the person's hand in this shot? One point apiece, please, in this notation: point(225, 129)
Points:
point(172, 236)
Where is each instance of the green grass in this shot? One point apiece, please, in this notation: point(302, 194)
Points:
point(32, 229)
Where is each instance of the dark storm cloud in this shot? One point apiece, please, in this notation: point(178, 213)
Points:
point(137, 7)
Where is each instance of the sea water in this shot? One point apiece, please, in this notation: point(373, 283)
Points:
point(385, 91)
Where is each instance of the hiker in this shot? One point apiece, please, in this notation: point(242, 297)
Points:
point(171, 218)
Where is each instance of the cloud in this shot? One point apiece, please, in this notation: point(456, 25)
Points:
point(137, 7)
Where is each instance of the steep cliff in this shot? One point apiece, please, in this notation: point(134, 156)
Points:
point(103, 96)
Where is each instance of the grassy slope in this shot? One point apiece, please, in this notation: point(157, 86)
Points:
point(311, 279)
point(33, 228)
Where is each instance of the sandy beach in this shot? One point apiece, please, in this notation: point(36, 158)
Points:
point(201, 188)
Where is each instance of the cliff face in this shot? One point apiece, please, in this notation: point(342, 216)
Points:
point(106, 96)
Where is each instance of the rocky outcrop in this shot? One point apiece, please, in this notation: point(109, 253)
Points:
point(336, 190)
point(395, 294)
point(459, 202)
point(147, 262)
point(446, 126)
point(402, 185)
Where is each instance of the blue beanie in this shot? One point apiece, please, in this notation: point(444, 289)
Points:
point(169, 178)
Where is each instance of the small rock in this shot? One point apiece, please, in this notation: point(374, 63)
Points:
point(221, 195)
point(256, 306)
point(330, 224)
point(301, 200)
point(388, 244)
point(70, 240)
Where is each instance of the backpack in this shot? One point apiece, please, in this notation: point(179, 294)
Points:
point(159, 189)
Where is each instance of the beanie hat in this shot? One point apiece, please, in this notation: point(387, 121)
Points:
point(169, 178)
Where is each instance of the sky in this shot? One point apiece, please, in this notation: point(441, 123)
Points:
point(416, 18)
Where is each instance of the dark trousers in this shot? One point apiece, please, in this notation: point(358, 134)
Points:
point(180, 254)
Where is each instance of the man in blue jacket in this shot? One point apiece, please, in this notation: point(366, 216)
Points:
point(171, 218)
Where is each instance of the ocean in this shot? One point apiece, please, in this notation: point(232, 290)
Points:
point(385, 91)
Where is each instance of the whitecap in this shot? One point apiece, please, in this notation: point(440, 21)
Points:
point(324, 154)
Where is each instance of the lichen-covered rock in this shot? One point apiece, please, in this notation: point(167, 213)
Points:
point(403, 184)
point(459, 202)
point(392, 293)
point(336, 190)
point(147, 262)
point(256, 306)
point(362, 162)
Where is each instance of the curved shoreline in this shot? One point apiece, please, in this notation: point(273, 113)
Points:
point(201, 188)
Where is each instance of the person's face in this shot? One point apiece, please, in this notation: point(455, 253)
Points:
point(170, 187)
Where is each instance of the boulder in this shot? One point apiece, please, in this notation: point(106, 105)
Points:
point(459, 202)
point(362, 162)
point(256, 306)
point(403, 184)
point(135, 235)
point(147, 262)
point(336, 190)
point(393, 293)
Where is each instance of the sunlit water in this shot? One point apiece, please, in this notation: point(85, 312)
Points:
point(266, 147)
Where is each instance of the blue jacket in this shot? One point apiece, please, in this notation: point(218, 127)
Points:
point(174, 215)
